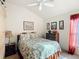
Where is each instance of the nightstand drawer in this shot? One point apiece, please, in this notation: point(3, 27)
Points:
point(10, 50)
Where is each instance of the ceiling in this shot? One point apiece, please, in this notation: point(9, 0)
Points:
point(60, 6)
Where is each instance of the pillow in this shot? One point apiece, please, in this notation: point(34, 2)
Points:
point(33, 35)
point(24, 36)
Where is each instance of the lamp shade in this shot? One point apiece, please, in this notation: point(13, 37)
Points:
point(8, 34)
point(9, 37)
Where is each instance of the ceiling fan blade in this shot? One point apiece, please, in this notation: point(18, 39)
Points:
point(48, 5)
point(34, 4)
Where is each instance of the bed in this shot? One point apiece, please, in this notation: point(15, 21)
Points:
point(38, 48)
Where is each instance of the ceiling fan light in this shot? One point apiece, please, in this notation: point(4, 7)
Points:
point(39, 3)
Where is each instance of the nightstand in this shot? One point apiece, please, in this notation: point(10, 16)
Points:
point(53, 36)
point(10, 49)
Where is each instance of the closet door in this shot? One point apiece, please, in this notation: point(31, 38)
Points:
point(2, 29)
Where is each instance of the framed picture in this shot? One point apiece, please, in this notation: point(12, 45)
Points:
point(48, 26)
point(27, 25)
point(61, 24)
point(53, 25)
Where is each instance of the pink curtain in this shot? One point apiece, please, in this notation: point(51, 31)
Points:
point(73, 33)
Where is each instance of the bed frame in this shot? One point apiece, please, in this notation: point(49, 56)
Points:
point(55, 56)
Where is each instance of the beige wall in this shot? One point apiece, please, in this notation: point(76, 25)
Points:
point(64, 34)
point(2, 29)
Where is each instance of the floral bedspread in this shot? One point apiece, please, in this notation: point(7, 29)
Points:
point(38, 48)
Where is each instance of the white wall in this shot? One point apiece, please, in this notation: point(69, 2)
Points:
point(64, 34)
point(17, 14)
point(2, 29)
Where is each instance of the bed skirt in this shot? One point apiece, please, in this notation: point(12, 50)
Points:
point(55, 56)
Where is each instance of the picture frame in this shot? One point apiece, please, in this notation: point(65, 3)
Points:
point(48, 26)
point(61, 24)
point(53, 25)
point(28, 25)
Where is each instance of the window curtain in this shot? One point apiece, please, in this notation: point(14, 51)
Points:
point(73, 35)
point(78, 35)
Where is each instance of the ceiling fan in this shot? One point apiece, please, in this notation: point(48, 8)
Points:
point(2, 2)
point(40, 4)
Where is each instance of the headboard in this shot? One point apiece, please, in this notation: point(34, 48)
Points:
point(24, 33)
point(18, 38)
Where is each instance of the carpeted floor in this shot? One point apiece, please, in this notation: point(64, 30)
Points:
point(69, 56)
point(66, 55)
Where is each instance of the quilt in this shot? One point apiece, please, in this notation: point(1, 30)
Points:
point(38, 48)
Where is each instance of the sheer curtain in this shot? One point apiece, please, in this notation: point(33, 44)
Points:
point(73, 35)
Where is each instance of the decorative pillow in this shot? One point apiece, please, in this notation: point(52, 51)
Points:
point(25, 36)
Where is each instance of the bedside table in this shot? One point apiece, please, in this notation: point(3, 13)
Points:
point(10, 49)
